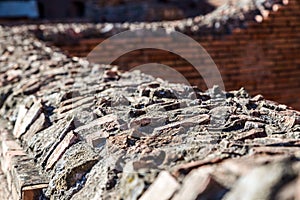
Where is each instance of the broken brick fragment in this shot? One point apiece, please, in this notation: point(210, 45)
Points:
point(68, 140)
point(162, 188)
point(253, 133)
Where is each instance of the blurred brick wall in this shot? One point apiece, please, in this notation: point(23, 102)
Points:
point(264, 58)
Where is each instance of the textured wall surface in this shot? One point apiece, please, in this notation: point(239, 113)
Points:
point(70, 129)
point(262, 57)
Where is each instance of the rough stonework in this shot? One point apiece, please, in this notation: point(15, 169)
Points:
point(71, 129)
point(255, 45)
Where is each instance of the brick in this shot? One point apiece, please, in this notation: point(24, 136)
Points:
point(69, 139)
point(51, 136)
point(73, 105)
point(253, 133)
point(96, 124)
point(25, 173)
point(199, 184)
point(68, 113)
point(28, 119)
point(200, 119)
point(162, 188)
point(38, 125)
point(33, 191)
point(21, 114)
point(186, 168)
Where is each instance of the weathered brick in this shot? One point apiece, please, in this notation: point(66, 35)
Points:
point(33, 191)
point(69, 139)
point(253, 133)
point(201, 119)
point(28, 118)
point(37, 126)
point(21, 114)
point(162, 188)
point(199, 183)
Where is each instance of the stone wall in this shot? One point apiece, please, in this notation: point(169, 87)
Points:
point(70, 129)
point(262, 56)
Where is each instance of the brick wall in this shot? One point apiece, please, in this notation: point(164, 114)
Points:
point(263, 58)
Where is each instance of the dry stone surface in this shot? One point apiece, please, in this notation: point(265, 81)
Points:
point(71, 129)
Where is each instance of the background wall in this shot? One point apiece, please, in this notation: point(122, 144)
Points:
point(124, 10)
point(264, 57)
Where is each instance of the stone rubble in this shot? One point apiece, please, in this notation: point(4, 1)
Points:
point(71, 129)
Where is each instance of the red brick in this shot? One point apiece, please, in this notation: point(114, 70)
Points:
point(69, 139)
point(162, 188)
